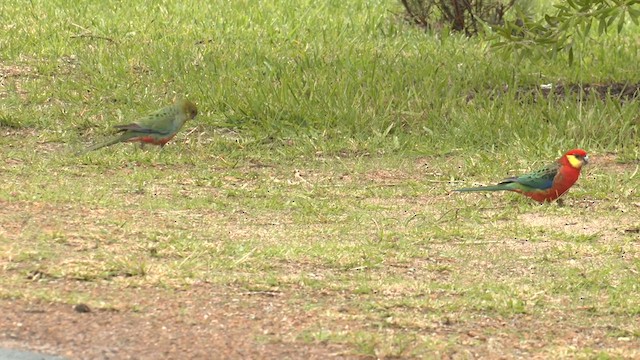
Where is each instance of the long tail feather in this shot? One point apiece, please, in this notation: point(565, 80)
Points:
point(115, 140)
point(501, 187)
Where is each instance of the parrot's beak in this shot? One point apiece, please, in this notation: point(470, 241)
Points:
point(586, 159)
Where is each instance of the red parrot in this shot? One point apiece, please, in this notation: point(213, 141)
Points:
point(157, 128)
point(546, 184)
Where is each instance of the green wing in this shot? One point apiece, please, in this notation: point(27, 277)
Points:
point(160, 122)
point(539, 180)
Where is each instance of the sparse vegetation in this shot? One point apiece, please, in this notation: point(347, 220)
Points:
point(308, 205)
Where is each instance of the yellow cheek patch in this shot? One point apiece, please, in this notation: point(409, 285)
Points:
point(574, 161)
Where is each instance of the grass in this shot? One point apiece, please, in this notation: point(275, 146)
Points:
point(320, 166)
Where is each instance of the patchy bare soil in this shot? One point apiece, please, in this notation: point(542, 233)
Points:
point(203, 324)
point(195, 319)
point(199, 323)
point(206, 322)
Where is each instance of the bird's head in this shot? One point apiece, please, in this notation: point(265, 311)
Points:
point(188, 108)
point(576, 158)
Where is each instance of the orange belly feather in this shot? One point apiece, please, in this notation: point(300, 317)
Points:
point(152, 140)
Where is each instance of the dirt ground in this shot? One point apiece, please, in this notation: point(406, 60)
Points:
point(207, 323)
point(200, 323)
point(213, 321)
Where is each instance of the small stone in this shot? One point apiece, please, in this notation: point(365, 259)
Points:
point(81, 308)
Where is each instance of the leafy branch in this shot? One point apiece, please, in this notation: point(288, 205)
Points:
point(572, 22)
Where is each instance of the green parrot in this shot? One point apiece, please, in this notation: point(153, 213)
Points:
point(157, 128)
